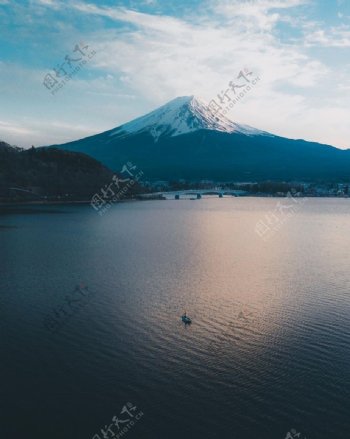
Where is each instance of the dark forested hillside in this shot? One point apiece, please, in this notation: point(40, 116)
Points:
point(49, 174)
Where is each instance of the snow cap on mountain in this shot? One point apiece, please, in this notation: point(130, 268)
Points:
point(183, 115)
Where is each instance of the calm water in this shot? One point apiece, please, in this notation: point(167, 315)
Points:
point(268, 350)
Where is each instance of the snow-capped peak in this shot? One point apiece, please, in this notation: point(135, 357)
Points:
point(183, 115)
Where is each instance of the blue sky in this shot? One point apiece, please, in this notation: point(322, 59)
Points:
point(149, 52)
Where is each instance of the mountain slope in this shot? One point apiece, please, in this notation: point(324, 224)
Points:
point(186, 139)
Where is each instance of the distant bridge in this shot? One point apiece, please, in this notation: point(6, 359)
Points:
point(195, 193)
point(199, 193)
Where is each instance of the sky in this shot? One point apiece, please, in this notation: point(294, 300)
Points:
point(134, 56)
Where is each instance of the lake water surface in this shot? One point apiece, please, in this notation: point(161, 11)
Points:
point(268, 350)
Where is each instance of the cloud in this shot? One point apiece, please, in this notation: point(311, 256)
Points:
point(12, 127)
point(142, 20)
point(255, 15)
point(29, 131)
point(334, 37)
point(54, 4)
point(203, 55)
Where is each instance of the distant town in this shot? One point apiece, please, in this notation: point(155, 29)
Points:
point(263, 189)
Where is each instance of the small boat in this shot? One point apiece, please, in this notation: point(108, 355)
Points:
point(186, 319)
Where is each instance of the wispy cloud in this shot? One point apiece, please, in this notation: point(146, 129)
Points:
point(258, 15)
point(334, 37)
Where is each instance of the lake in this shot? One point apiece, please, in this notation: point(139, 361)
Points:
point(91, 330)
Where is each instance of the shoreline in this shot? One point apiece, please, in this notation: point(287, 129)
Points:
point(51, 203)
point(146, 198)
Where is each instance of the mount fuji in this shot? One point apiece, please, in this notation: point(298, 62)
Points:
point(186, 139)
